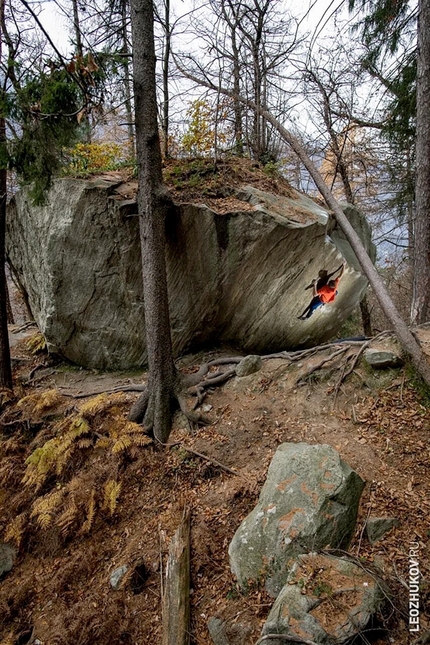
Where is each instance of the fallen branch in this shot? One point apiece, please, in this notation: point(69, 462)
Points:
point(215, 462)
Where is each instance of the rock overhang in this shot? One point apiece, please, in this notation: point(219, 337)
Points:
point(238, 277)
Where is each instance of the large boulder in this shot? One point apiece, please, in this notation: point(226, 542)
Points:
point(238, 277)
point(309, 501)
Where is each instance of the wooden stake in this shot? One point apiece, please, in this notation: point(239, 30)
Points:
point(176, 597)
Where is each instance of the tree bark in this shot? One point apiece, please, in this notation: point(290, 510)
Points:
point(153, 205)
point(5, 362)
point(166, 62)
point(406, 338)
point(176, 598)
point(421, 274)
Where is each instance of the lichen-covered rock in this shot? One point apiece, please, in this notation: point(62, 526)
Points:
point(248, 365)
point(238, 277)
point(308, 502)
point(382, 359)
point(326, 600)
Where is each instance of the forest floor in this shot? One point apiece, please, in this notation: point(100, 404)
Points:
point(74, 530)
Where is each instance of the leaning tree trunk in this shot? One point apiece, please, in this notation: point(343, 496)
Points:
point(406, 338)
point(421, 274)
point(153, 204)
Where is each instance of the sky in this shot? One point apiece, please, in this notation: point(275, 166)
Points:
point(58, 24)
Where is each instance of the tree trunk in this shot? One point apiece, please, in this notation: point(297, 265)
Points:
point(366, 319)
point(127, 80)
point(176, 597)
point(406, 338)
point(9, 310)
point(421, 273)
point(77, 28)
point(153, 205)
point(166, 61)
point(5, 363)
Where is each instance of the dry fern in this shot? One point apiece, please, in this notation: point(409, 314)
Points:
point(111, 494)
point(45, 508)
point(100, 403)
point(36, 404)
point(91, 511)
point(36, 343)
point(68, 517)
point(54, 454)
point(16, 529)
point(40, 463)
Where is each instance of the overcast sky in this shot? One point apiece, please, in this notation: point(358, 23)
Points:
point(58, 23)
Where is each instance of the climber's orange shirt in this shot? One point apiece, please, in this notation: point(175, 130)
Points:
point(328, 294)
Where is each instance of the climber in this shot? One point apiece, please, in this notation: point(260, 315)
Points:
point(322, 294)
point(323, 278)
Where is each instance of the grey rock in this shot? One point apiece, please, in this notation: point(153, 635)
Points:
point(7, 558)
point(376, 527)
point(382, 359)
point(309, 501)
point(249, 365)
point(117, 576)
point(239, 633)
point(239, 277)
point(216, 628)
point(316, 585)
point(229, 633)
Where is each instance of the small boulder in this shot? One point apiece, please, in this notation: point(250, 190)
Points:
point(326, 600)
point(376, 527)
point(216, 628)
point(7, 558)
point(117, 576)
point(382, 359)
point(249, 365)
point(309, 501)
point(229, 632)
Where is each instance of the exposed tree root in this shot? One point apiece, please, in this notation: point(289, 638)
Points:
point(134, 387)
point(190, 384)
point(200, 382)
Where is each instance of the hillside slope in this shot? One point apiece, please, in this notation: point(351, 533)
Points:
point(100, 496)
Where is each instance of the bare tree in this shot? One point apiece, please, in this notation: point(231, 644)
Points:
point(246, 47)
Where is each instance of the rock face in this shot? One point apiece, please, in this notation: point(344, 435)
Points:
point(309, 501)
point(239, 277)
point(327, 600)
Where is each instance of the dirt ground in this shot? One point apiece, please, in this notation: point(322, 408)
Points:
point(58, 591)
